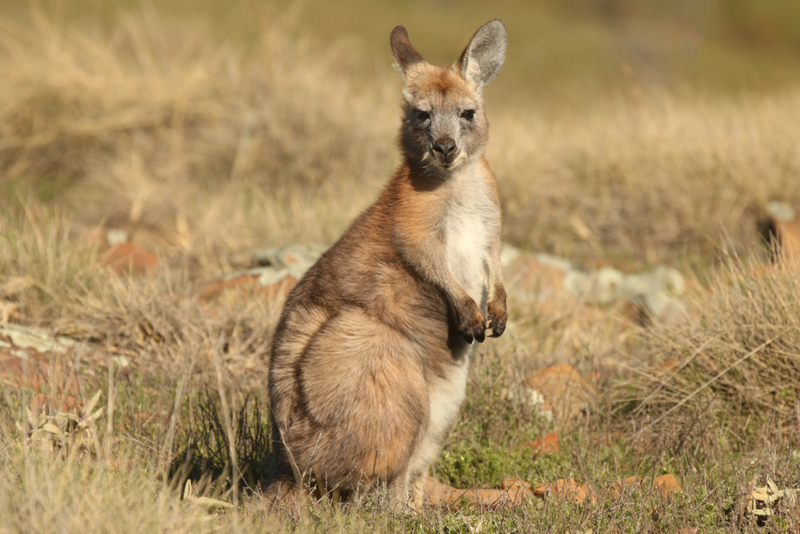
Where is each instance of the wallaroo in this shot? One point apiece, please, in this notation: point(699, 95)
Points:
point(370, 357)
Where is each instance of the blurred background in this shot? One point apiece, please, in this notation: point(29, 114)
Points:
point(624, 132)
point(560, 51)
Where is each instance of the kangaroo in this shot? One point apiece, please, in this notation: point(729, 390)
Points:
point(370, 356)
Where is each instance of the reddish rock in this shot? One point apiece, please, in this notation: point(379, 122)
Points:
point(21, 372)
point(665, 485)
point(528, 278)
point(25, 361)
point(239, 281)
point(566, 489)
point(55, 402)
point(438, 494)
point(624, 486)
point(251, 282)
point(126, 257)
point(280, 288)
point(669, 365)
point(515, 483)
point(547, 444)
point(565, 391)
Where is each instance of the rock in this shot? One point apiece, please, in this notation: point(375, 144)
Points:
point(665, 485)
point(296, 259)
point(534, 277)
point(54, 402)
point(265, 281)
point(32, 358)
point(566, 489)
point(116, 236)
point(37, 339)
point(780, 211)
point(564, 390)
point(597, 287)
point(437, 494)
point(515, 483)
point(128, 258)
point(624, 486)
point(656, 307)
point(547, 444)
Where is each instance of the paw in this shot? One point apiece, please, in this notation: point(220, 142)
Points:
point(498, 317)
point(472, 324)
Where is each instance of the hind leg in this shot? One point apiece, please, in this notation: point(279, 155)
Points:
point(362, 402)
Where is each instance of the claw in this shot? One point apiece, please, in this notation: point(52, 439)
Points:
point(497, 329)
point(480, 335)
point(468, 338)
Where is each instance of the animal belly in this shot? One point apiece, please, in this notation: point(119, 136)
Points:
point(446, 396)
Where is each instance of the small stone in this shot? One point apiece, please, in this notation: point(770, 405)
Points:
point(115, 236)
point(624, 486)
point(665, 308)
point(264, 280)
point(565, 391)
point(53, 402)
point(437, 494)
point(127, 257)
point(566, 489)
point(507, 254)
point(547, 444)
point(529, 278)
point(780, 211)
point(666, 485)
point(514, 483)
point(297, 258)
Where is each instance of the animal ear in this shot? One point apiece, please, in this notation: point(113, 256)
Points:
point(403, 51)
point(485, 53)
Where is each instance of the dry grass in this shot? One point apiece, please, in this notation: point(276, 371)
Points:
point(204, 151)
point(731, 372)
point(157, 128)
point(655, 181)
point(217, 148)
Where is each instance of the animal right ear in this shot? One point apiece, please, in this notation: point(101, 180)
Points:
point(405, 55)
point(485, 53)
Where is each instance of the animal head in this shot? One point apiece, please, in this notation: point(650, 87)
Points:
point(444, 126)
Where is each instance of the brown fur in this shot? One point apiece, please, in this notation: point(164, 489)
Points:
point(376, 338)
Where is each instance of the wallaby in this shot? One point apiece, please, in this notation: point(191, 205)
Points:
point(371, 354)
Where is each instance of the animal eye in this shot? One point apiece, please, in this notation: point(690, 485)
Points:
point(468, 114)
point(422, 116)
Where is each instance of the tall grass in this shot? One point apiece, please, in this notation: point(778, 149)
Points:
point(215, 145)
point(731, 372)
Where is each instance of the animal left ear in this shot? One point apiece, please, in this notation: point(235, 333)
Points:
point(484, 55)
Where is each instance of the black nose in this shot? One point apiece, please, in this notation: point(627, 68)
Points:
point(444, 146)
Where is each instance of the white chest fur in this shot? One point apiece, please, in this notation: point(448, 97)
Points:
point(471, 222)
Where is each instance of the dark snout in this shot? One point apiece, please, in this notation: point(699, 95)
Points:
point(444, 149)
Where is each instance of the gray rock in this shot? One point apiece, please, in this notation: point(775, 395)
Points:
point(781, 211)
point(38, 339)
